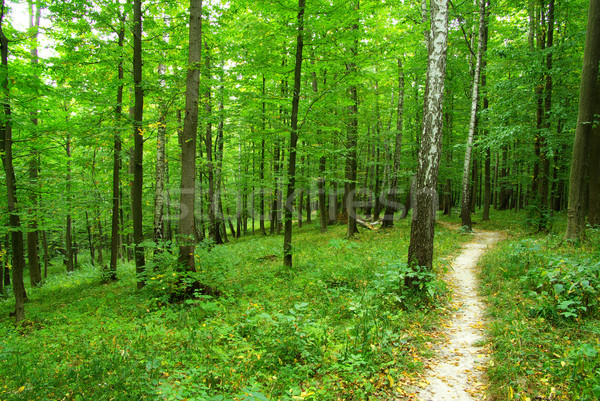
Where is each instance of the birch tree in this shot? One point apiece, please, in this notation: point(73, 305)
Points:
point(420, 251)
point(466, 193)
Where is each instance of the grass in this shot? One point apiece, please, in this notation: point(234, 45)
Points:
point(335, 326)
point(543, 296)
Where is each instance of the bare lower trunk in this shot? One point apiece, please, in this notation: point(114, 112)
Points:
point(588, 101)
point(188, 142)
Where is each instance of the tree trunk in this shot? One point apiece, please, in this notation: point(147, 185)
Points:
point(466, 199)
point(392, 201)
point(115, 236)
point(352, 140)
point(420, 251)
point(487, 197)
point(18, 251)
point(69, 224)
point(35, 274)
point(161, 161)
point(588, 101)
point(188, 143)
point(594, 173)
point(321, 194)
point(262, 218)
point(287, 239)
point(138, 151)
point(88, 228)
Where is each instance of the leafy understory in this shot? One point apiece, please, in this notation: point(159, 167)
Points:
point(335, 326)
point(543, 296)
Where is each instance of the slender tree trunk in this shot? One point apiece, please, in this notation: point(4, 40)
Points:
point(287, 239)
point(420, 251)
point(46, 254)
point(161, 161)
point(90, 238)
point(262, 158)
point(392, 200)
point(351, 141)
point(188, 143)
point(466, 201)
point(487, 197)
point(18, 251)
point(115, 237)
point(69, 224)
point(213, 196)
point(588, 101)
point(138, 152)
point(35, 274)
point(274, 203)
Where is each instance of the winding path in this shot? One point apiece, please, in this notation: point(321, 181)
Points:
point(455, 373)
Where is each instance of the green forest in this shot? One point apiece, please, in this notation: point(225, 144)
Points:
point(299, 199)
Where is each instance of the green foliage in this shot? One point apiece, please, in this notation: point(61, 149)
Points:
point(335, 326)
point(544, 325)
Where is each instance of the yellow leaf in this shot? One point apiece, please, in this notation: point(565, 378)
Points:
point(511, 393)
point(563, 363)
point(21, 389)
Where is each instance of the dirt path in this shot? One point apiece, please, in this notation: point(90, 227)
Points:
point(455, 373)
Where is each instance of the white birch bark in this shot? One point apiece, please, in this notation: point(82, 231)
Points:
point(465, 199)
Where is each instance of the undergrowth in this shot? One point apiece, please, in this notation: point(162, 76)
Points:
point(335, 326)
point(543, 301)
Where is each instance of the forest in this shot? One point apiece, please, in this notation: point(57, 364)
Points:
point(239, 200)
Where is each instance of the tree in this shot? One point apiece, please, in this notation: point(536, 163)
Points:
point(188, 140)
point(35, 273)
point(138, 140)
point(466, 198)
point(111, 274)
point(420, 251)
point(586, 120)
point(6, 150)
point(390, 207)
point(291, 187)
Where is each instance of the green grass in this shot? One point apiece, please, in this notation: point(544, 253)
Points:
point(543, 299)
point(335, 326)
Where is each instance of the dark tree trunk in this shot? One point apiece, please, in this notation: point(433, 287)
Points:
point(287, 239)
point(392, 201)
point(321, 194)
point(18, 251)
point(138, 151)
point(35, 274)
point(69, 224)
point(115, 236)
point(188, 142)
point(263, 231)
point(352, 140)
point(588, 105)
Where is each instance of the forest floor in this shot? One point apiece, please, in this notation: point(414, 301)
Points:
point(456, 371)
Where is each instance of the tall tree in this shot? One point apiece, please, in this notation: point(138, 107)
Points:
point(420, 251)
point(291, 187)
point(392, 201)
point(466, 195)
point(586, 119)
point(111, 274)
point(161, 162)
point(188, 140)
point(138, 141)
point(352, 135)
point(35, 273)
point(6, 152)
